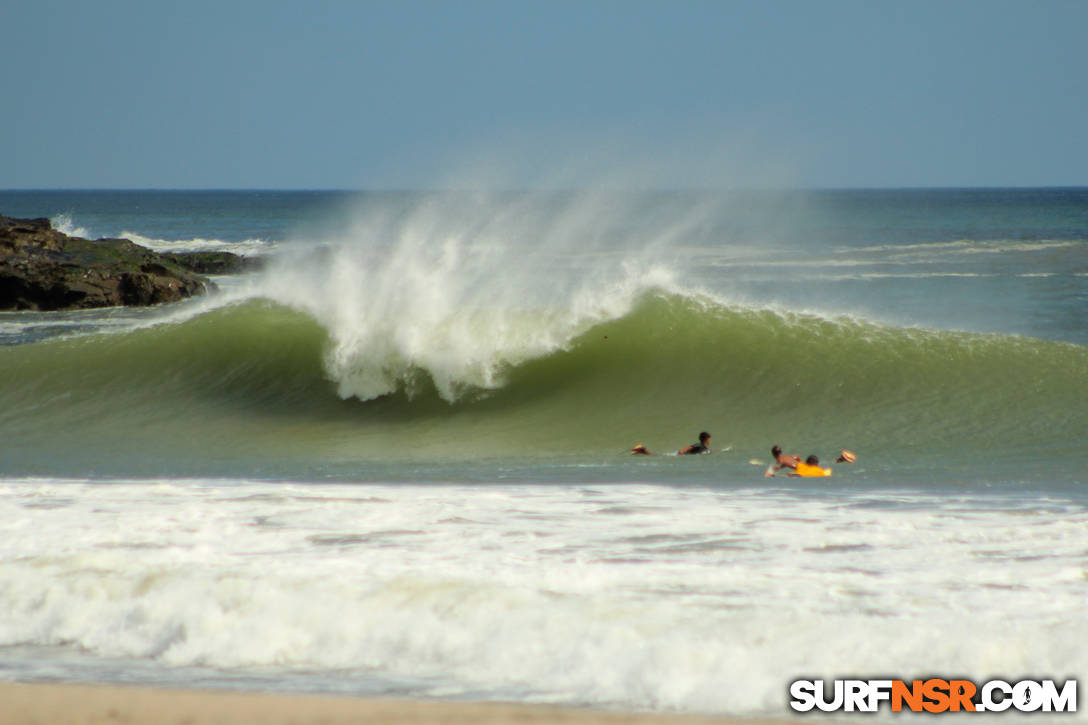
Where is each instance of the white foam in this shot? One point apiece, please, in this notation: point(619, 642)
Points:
point(630, 595)
point(63, 223)
point(246, 247)
point(462, 289)
point(972, 246)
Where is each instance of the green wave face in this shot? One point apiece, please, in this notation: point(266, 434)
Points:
point(753, 377)
point(255, 388)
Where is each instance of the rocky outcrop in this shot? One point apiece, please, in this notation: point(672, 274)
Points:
point(215, 262)
point(43, 269)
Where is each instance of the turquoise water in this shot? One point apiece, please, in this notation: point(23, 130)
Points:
point(422, 409)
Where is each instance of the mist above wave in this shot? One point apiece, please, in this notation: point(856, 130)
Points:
point(460, 287)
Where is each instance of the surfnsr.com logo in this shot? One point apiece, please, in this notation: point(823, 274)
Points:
point(933, 695)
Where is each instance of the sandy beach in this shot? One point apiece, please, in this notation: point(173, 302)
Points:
point(63, 704)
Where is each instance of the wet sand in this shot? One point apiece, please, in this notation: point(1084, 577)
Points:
point(63, 704)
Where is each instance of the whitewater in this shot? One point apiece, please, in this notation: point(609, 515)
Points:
point(395, 461)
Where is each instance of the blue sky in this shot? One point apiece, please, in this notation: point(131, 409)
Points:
point(828, 93)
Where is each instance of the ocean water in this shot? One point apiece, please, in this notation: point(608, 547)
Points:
point(395, 461)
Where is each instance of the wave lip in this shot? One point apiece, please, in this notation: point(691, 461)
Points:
point(463, 290)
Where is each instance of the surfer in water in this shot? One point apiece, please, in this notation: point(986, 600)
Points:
point(703, 446)
point(810, 469)
point(781, 460)
point(807, 468)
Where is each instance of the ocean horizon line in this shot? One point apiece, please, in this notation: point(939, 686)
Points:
point(528, 190)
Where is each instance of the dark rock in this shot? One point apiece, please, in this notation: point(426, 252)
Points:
point(43, 269)
point(215, 262)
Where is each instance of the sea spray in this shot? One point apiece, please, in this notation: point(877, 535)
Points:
point(459, 289)
point(63, 223)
